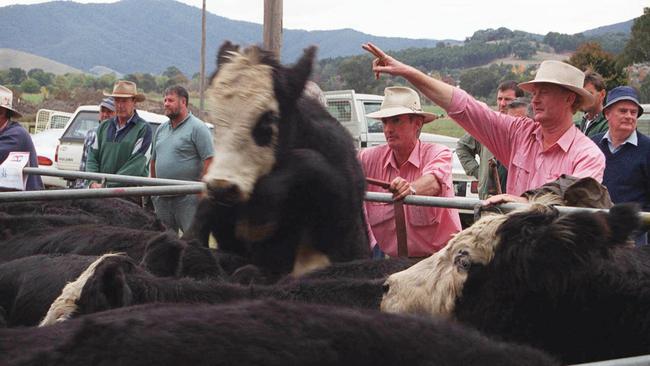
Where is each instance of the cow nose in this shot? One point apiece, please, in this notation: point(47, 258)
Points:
point(224, 192)
point(385, 287)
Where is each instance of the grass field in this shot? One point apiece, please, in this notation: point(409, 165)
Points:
point(442, 126)
point(35, 98)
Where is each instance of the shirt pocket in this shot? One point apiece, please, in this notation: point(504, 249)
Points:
point(379, 212)
point(421, 215)
point(521, 172)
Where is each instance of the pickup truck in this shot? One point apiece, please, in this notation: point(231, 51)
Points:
point(350, 109)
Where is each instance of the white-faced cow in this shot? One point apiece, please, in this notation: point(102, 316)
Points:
point(570, 285)
point(285, 188)
point(257, 333)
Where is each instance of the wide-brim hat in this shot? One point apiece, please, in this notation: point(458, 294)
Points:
point(7, 99)
point(621, 93)
point(564, 75)
point(401, 100)
point(126, 89)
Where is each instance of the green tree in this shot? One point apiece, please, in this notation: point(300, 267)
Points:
point(43, 78)
point(30, 85)
point(637, 48)
point(523, 49)
point(644, 90)
point(16, 75)
point(590, 55)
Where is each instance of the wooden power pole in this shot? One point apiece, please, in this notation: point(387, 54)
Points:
point(273, 26)
point(202, 71)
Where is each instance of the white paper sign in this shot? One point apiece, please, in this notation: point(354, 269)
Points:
point(11, 171)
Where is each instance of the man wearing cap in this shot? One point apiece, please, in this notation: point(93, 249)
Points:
point(106, 111)
point(122, 141)
point(411, 167)
point(467, 148)
point(13, 137)
point(627, 151)
point(182, 149)
point(593, 121)
point(535, 151)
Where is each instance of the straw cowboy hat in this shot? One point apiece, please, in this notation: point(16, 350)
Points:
point(6, 100)
point(401, 100)
point(564, 75)
point(125, 89)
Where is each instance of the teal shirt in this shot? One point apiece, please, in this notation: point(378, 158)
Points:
point(179, 152)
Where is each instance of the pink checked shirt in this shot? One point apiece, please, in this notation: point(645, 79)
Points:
point(517, 143)
point(427, 228)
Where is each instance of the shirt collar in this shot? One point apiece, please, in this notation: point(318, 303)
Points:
point(632, 139)
point(414, 158)
point(189, 114)
point(130, 121)
point(565, 140)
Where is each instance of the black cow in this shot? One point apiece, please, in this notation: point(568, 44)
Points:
point(21, 224)
point(163, 254)
point(256, 333)
point(29, 285)
point(109, 211)
point(570, 285)
point(117, 281)
point(285, 187)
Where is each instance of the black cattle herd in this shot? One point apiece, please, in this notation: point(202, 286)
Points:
point(100, 281)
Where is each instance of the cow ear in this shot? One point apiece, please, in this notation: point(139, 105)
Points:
point(299, 73)
point(623, 220)
point(107, 288)
point(225, 53)
point(162, 255)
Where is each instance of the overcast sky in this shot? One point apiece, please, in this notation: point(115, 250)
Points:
point(434, 19)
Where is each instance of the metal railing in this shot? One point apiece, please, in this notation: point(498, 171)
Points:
point(161, 187)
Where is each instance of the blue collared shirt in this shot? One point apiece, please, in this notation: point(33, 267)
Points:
point(632, 139)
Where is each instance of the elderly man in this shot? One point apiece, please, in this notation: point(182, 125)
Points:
point(467, 148)
point(411, 167)
point(106, 111)
point(594, 122)
point(182, 149)
point(122, 141)
point(627, 151)
point(13, 137)
point(535, 151)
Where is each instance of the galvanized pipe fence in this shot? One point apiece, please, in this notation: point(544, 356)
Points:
point(161, 187)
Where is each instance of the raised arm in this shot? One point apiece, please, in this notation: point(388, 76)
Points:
point(437, 91)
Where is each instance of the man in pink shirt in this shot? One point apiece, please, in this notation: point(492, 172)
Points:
point(535, 151)
point(411, 167)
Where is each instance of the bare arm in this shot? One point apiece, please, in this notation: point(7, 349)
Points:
point(206, 165)
point(436, 90)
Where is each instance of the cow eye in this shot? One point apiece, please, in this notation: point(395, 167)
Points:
point(263, 130)
point(462, 261)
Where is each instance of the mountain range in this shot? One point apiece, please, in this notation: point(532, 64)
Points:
point(150, 35)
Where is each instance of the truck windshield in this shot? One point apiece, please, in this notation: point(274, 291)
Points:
point(83, 122)
point(374, 125)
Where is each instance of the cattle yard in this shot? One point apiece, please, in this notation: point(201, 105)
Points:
point(345, 291)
